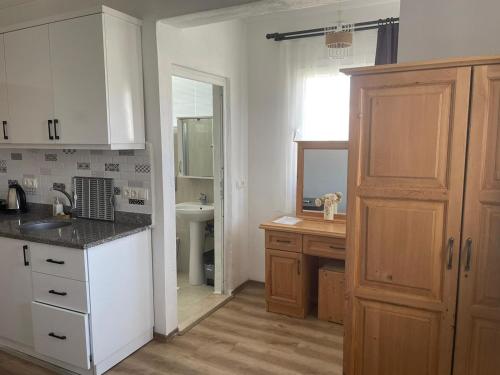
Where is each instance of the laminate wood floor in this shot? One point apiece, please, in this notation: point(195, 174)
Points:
point(239, 338)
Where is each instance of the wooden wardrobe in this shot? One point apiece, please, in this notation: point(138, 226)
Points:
point(423, 230)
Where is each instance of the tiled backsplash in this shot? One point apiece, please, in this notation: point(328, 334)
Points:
point(127, 168)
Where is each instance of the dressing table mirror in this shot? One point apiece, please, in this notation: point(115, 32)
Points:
point(305, 258)
point(321, 169)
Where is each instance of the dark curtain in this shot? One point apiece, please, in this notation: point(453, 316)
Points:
point(387, 42)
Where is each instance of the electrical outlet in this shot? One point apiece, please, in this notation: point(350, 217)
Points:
point(31, 183)
point(135, 193)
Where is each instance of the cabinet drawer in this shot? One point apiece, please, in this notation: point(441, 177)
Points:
point(61, 292)
point(327, 247)
point(59, 261)
point(283, 241)
point(61, 334)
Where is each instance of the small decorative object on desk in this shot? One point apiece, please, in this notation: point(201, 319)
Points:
point(330, 203)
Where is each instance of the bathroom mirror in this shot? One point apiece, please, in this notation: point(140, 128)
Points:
point(321, 169)
point(196, 155)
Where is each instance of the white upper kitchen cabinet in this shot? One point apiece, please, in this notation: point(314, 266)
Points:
point(97, 81)
point(79, 80)
point(29, 85)
point(76, 83)
point(16, 292)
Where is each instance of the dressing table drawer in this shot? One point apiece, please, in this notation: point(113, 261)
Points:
point(326, 247)
point(287, 241)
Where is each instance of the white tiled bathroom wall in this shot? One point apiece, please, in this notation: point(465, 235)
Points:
point(127, 168)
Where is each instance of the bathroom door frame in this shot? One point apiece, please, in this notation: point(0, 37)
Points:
point(220, 240)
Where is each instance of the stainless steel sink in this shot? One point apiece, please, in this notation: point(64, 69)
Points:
point(44, 225)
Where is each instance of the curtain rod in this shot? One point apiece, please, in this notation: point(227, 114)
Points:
point(360, 26)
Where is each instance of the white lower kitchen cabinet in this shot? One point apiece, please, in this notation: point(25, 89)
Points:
point(15, 293)
point(83, 310)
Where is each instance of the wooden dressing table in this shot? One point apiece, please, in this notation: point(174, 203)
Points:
point(295, 253)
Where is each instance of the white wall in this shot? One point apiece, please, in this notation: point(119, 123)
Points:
point(217, 49)
point(265, 108)
point(432, 29)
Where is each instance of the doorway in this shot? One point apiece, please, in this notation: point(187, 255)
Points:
point(198, 107)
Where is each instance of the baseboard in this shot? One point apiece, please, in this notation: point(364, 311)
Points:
point(165, 338)
point(243, 285)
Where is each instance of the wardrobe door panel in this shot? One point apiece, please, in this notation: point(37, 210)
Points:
point(391, 326)
point(406, 167)
point(478, 324)
point(401, 248)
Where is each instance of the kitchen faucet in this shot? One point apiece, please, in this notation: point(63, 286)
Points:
point(203, 198)
point(72, 207)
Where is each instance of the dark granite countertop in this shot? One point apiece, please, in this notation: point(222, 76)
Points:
point(81, 234)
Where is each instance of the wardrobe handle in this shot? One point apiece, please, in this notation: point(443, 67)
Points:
point(451, 242)
point(5, 135)
point(469, 254)
point(56, 122)
point(298, 267)
point(49, 124)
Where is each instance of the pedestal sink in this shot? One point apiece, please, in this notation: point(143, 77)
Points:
point(197, 214)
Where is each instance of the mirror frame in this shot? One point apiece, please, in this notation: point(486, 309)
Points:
point(180, 148)
point(313, 145)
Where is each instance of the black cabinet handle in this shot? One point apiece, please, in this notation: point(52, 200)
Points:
point(52, 291)
point(5, 135)
point(52, 334)
point(56, 122)
point(26, 261)
point(54, 261)
point(49, 124)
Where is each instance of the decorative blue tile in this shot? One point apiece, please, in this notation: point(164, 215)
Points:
point(83, 166)
point(126, 152)
point(137, 202)
point(112, 167)
point(50, 157)
point(142, 168)
point(59, 185)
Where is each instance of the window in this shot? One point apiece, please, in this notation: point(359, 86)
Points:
point(325, 111)
point(190, 99)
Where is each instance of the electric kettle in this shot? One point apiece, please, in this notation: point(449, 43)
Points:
point(16, 199)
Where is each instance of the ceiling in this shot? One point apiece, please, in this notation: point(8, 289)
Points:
point(12, 3)
point(262, 7)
